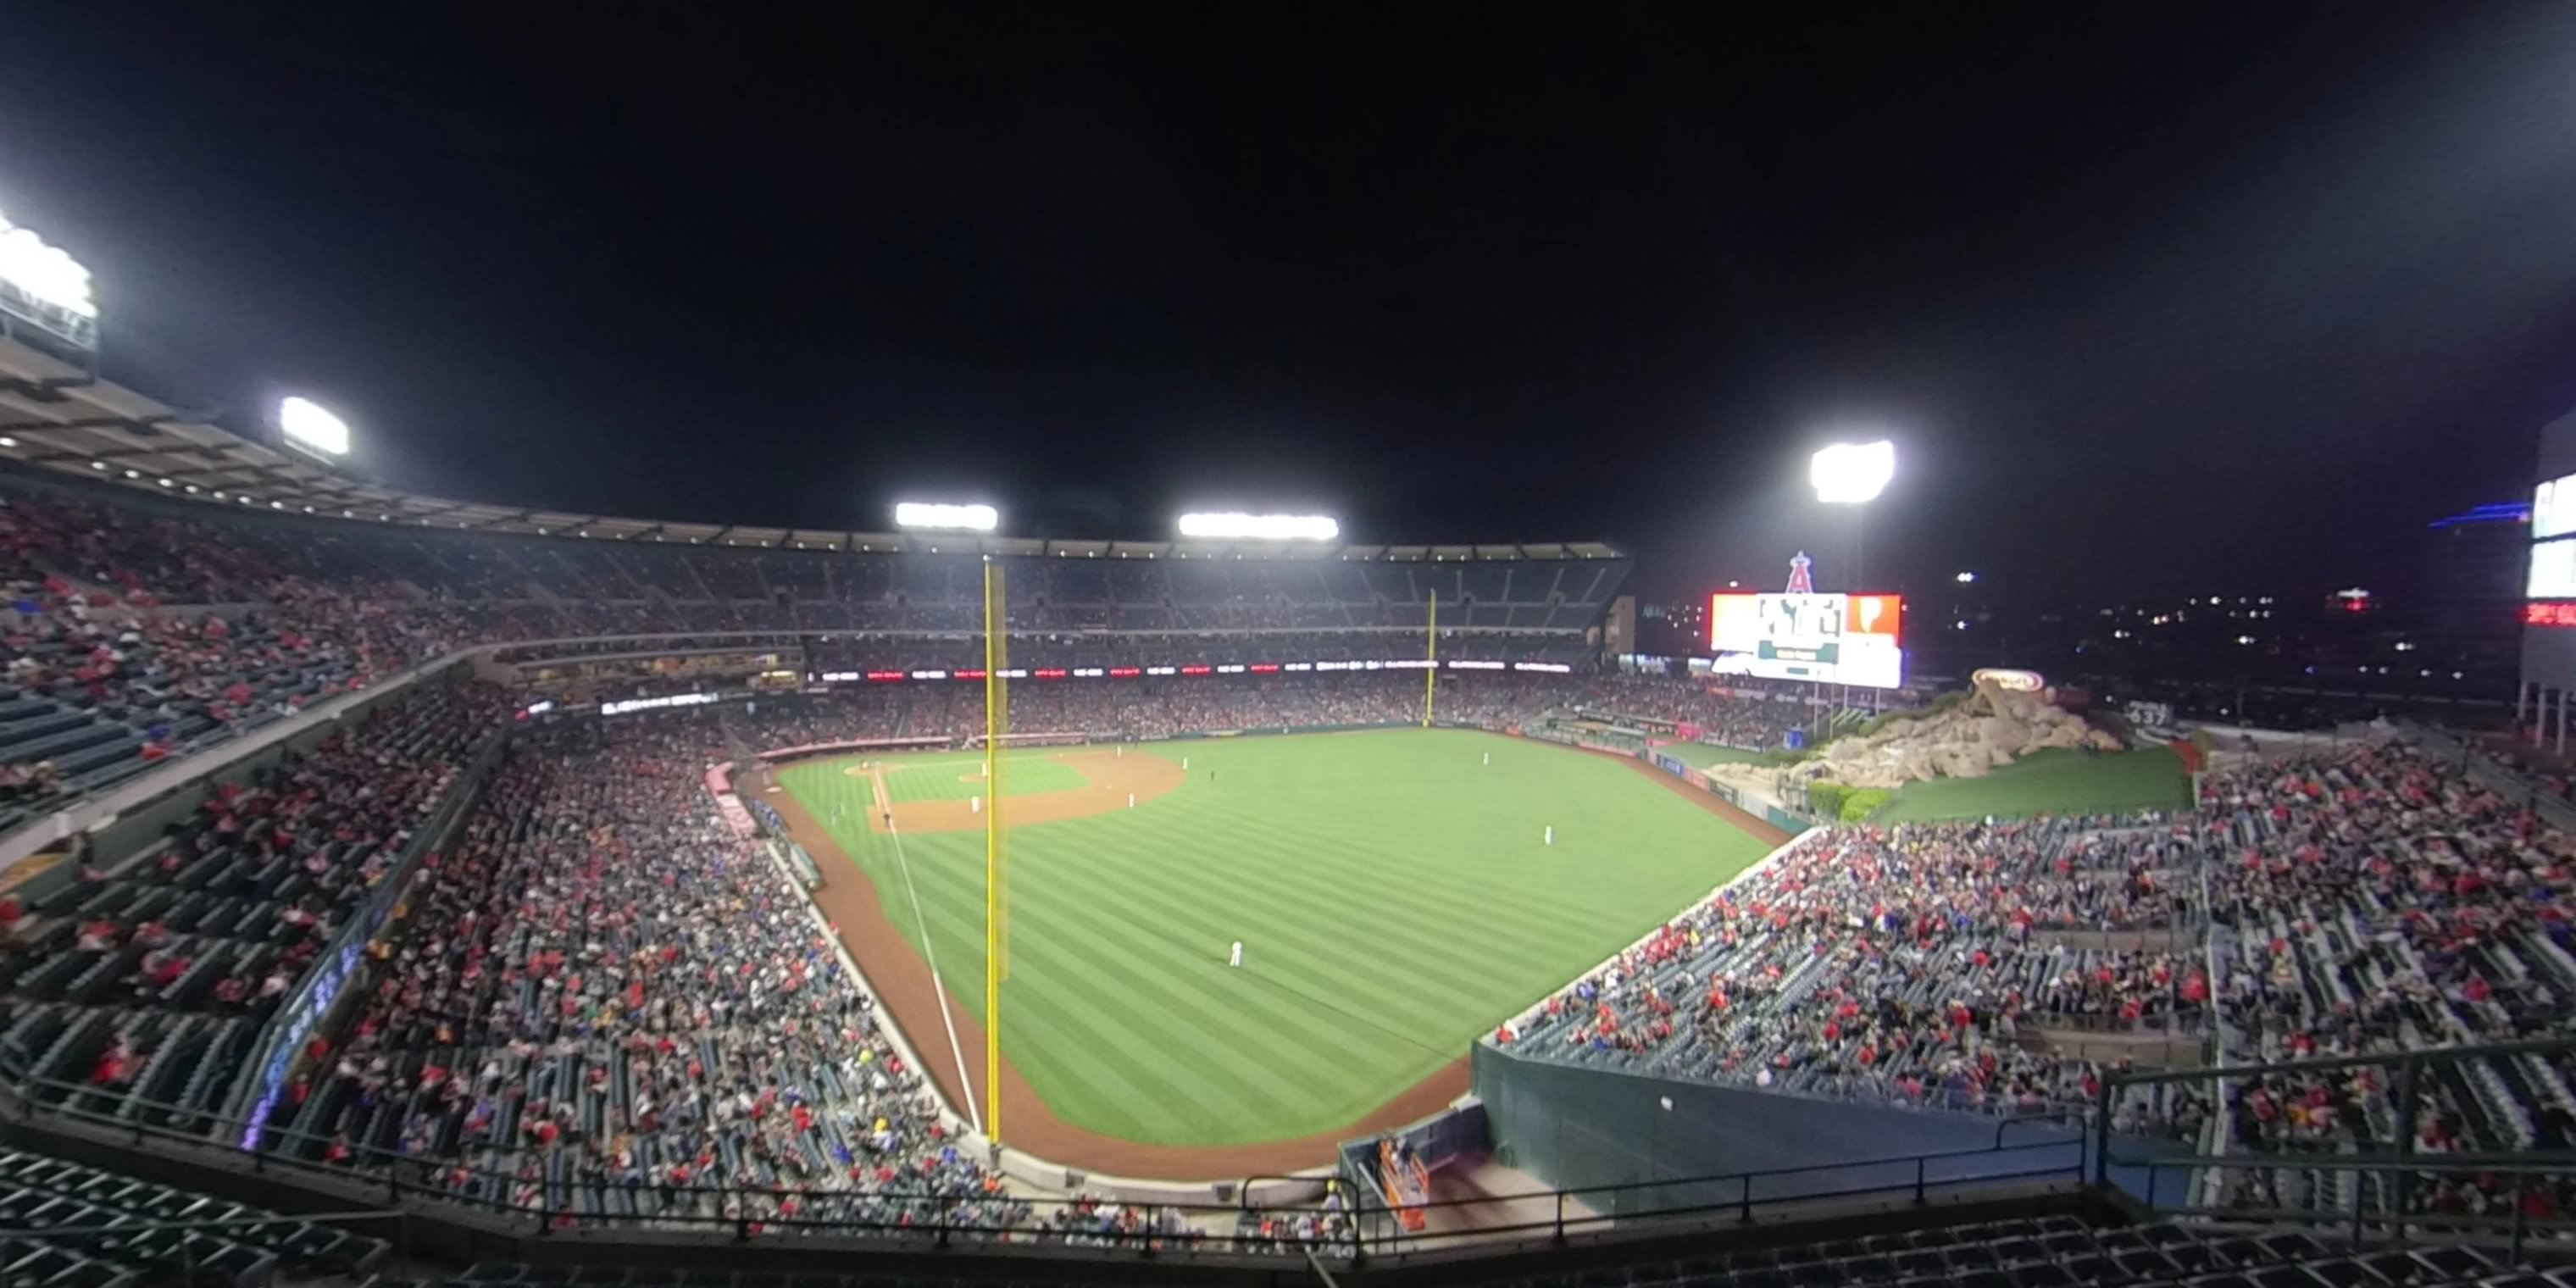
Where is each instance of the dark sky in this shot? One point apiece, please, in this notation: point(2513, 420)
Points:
point(2159, 295)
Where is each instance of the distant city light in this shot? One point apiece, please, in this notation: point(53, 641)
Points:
point(1260, 527)
point(306, 424)
point(921, 514)
point(1852, 473)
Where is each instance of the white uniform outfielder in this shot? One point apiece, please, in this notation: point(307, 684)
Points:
point(1237, 958)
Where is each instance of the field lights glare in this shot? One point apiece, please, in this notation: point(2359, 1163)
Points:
point(1852, 473)
point(44, 272)
point(971, 518)
point(307, 425)
point(1261, 527)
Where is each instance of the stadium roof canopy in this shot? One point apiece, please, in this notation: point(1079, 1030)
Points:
point(55, 417)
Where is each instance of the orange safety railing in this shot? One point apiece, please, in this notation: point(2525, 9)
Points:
point(1406, 1184)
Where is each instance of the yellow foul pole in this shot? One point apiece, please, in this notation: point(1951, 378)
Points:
point(1431, 654)
point(996, 720)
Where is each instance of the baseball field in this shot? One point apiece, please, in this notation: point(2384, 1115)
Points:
point(1396, 894)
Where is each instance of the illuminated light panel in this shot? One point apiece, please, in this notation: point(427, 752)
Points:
point(925, 514)
point(1124, 672)
point(1197, 670)
point(1852, 473)
point(1264, 668)
point(46, 286)
point(1260, 527)
point(306, 424)
point(2557, 614)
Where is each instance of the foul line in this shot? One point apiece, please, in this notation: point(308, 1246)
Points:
point(966, 1084)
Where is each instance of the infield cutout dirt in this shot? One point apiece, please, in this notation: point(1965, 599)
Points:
point(1110, 777)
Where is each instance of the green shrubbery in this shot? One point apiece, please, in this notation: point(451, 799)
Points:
point(1862, 802)
point(1836, 802)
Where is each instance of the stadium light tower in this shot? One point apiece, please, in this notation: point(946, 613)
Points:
point(1966, 577)
point(953, 518)
point(1853, 474)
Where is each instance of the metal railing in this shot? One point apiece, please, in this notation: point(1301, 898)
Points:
point(2402, 1165)
point(946, 1216)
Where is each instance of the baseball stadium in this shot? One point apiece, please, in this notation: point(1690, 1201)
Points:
point(399, 889)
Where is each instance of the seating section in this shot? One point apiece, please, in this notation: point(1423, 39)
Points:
point(1145, 708)
point(511, 1275)
point(2063, 1252)
point(606, 1005)
point(79, 1227)
point(142, 626)
point(140, 991)
point(2366, 902)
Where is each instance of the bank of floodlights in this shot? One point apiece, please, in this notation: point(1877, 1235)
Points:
point(1260, 527)
point(308, 425)
point(951, 518)
point(1852, 473)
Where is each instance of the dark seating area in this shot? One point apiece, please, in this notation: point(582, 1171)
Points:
point(79, 1227)
point(2065, 1252)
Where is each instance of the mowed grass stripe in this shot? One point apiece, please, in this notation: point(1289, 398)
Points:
point(1131, 962)
point(1039, 954)
point(1391, 891)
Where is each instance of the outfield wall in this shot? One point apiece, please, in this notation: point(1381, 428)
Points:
point(1577, 1128)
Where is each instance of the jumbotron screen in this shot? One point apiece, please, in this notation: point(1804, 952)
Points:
point(1827, 639)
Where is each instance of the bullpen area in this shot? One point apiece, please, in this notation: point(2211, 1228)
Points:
point(1397, 893)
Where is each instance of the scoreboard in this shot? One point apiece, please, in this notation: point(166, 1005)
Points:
point(1826, 639)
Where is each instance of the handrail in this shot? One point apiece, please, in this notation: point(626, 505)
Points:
point(396, 1178)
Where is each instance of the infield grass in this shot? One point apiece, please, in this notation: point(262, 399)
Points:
point(1393, 890)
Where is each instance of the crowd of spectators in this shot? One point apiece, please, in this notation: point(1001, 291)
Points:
point(1750, 719)
point(2367, 902)
point(606, 1004)
point(2377, 900)
point(227, 912)
point(1903, 964)
point(137, 628)
point(1165, 706)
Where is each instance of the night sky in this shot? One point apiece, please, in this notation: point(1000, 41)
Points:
point(2155, 296)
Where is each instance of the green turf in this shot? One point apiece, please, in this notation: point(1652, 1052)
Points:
point(1392, 891)
point(2052, 780)
point(951, 777)
point(1700, 755)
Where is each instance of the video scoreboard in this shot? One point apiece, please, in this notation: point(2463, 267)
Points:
point(1825, 639)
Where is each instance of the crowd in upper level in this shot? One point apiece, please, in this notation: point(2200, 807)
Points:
point(145, 980)
point(139, 628)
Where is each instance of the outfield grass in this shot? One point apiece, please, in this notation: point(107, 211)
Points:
point(1700, 755)
point(2052, 780)
point(1392, 891)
